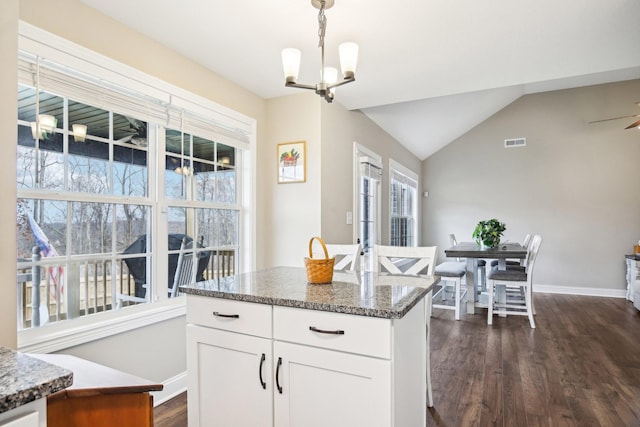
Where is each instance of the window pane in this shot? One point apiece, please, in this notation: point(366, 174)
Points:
point(204, 149)
point(91, 227)
point(178, 165)
point(42, 224)
point(228, 227)
point(177, 142)
point(132, 222)
point(177, 218)
point(130, 171)
point(175, 183)
point(89, 157)
point(95, 119)
point(39, 168)
point(129, 130)
point(26, 161)
point(134, 275)
point(89, 167)
point(216, 182)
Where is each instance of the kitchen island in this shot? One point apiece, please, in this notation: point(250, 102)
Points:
point(266, 348)
point(25, 383)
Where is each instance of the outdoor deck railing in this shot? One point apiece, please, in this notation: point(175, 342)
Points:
point(50, 290)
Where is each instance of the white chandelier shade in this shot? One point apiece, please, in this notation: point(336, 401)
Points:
point(348, 52)
point(291, 64)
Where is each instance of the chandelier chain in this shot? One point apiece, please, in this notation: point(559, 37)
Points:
point(322, 24)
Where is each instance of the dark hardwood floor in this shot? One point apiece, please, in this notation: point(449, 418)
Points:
point(579, 367)
point(172, 413)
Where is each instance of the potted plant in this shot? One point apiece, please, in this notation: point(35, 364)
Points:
point(487, 233)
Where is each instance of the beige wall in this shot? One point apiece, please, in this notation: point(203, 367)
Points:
point(292, 211)
point(340, 128)
point(300, 211)
point(8, 132)
point(575, 183)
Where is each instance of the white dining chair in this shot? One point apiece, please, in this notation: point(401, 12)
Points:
point(516, 288)
point(517, 262)
point(347, 256)
point(451, 274)
point(480, 277)
point(404, 259)
point(411, 260)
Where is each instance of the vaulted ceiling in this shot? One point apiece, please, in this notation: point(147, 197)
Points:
point(428, 70)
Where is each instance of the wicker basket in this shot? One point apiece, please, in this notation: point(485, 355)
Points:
point(319, 271)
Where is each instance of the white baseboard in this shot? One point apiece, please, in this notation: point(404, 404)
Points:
point(172, 387)
point(570, 290)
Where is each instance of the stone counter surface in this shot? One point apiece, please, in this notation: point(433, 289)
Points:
point(24, 379)
point(351, 292)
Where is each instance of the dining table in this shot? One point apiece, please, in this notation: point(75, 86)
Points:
point(473, 252)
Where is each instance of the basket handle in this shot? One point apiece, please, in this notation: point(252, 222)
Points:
point(324, 247)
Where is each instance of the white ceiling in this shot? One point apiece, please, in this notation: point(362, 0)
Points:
point(428, 70)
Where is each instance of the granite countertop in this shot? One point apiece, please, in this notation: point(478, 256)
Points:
point(351, 292)
point(24, 379)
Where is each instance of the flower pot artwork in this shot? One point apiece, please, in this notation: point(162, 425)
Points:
point(291, 162)
point(290, 158)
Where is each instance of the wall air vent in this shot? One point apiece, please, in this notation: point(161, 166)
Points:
point(515, 142)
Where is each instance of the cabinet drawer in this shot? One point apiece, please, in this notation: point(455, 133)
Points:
point(235, 316)
point(354, 334)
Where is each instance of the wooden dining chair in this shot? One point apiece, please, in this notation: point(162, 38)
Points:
point(413, 261)
point(516, 288)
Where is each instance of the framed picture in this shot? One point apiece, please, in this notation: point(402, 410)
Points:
point(292, 162)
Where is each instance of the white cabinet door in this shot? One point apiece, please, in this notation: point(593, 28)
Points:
point(32, 414)
point(29, 420)
point(319, 388)
point(230, 379)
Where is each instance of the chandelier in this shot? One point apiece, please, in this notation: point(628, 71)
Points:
point(348, 52)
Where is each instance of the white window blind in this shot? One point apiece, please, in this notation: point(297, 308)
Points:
point(370, 168)
point(403, 179)
point(153, 105)
point(403, 193)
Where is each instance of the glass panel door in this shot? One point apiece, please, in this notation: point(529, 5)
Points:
point(368, 206)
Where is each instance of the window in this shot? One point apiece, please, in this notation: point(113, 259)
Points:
point(113, 168)
point(403, 205)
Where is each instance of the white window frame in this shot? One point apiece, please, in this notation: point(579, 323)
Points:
point(400, 168)
point(58, 336)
